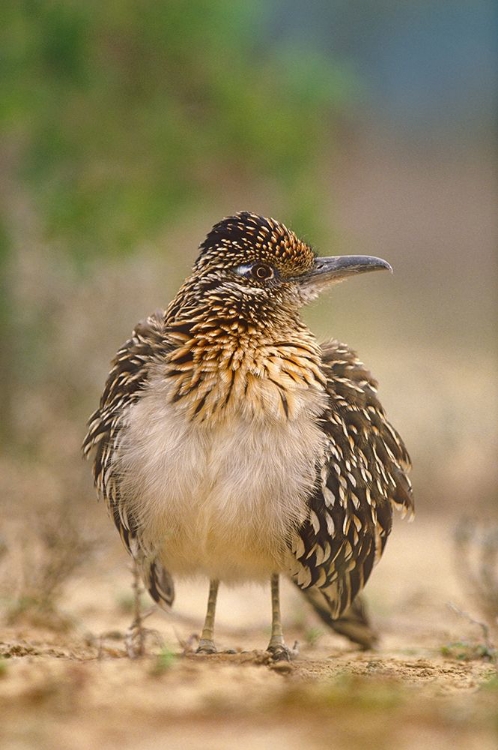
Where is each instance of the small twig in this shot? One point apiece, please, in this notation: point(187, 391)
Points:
point(295, 650)
point(485, 629)
point(100, 650)
point(476, 560)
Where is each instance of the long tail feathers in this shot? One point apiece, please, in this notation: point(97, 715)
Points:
point(354, 623)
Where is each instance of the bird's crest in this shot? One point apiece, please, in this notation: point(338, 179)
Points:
point(247, 237)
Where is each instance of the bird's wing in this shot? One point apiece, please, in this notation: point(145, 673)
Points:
point(129, 374)
point(360, 477)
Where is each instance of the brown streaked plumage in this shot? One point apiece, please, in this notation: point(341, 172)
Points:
point(229, 443)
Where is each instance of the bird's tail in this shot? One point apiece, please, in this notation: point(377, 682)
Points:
point(158, 582)
point(354, 623)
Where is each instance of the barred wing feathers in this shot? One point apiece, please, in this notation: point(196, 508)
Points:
point(361, 477)
point(128, 376)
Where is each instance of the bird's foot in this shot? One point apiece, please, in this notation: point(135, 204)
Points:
point(206, 646)
point(280, 652)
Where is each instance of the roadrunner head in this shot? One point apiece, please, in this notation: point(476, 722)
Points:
point(256, 257)
point(255, 269)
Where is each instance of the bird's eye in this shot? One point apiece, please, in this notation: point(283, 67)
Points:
point(262, 272)
point(258, 271)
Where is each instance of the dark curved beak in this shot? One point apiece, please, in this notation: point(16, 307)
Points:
point(337, 268)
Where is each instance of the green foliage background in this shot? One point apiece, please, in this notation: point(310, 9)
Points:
point(125, 116)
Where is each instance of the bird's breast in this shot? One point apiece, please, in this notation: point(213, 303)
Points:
point(221, 496)
point(238, 376)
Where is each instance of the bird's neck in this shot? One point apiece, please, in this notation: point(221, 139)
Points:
point(221, 364)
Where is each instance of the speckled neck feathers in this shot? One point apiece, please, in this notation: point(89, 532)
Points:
point(221, 365)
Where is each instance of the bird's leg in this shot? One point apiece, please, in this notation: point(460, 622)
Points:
point(206, 643)
point(135, 637)
point(276, 646)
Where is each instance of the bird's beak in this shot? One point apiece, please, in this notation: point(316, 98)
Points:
point(327, 271)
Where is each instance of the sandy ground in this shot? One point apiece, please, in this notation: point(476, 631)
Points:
point(79, 689)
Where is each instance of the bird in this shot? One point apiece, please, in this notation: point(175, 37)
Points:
point(230, 444)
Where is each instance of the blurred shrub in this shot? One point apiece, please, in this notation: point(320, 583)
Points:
point(476, 561)
point(124, 114)
point(53, 546)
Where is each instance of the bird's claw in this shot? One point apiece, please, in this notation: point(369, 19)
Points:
point(279, 652)
point(206, 647)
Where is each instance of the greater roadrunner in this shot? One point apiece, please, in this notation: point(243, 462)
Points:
point(229, 443)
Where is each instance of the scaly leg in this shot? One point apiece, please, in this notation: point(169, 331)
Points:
point(277, 645)
point(206, 643)
point(137, 633)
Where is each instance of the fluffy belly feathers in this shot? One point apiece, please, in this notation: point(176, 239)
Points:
point(221, 501)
